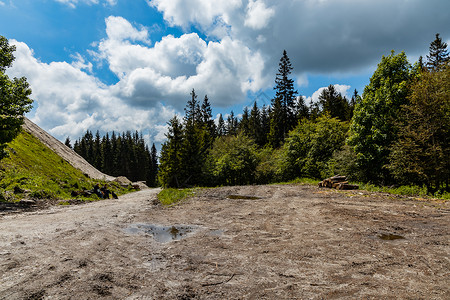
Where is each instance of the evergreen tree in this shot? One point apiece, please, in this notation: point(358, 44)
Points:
point(277, 129)
point(171, 163)
point(153, 168)
point(255, 128)
point(265, 125)
point(301, 110)
point(244, 124)
point(208, 123)
point(97, 150)
point(438, 56)
point(221, 129)
point(334, 104)
point(286, 95)
point(232, 124)
point(67, 142)
point(107, 154)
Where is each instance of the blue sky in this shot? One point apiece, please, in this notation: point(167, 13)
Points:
point(130, 65)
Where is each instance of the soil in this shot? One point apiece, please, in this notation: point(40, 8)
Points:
point(280, 242)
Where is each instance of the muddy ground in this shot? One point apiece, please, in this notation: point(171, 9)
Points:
point(292, 242)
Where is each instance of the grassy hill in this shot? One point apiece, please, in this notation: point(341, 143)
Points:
point(33, 171)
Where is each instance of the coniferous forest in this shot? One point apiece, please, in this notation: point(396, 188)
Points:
point(396, 133)
point(123, 154)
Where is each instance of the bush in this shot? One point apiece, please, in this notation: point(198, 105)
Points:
point(233, 160)
point(309, 148)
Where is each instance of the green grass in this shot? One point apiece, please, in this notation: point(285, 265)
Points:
point(172, 196)
point(33, 171)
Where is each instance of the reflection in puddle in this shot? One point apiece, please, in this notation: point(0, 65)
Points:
point(163, 234)
point(243, 197)
point(390, 237)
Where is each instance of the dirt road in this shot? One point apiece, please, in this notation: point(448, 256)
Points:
point(291, 242)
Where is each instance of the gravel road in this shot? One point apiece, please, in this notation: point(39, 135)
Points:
point(250, 242)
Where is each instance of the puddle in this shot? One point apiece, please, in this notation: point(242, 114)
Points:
point(217, 232)
point(390, 237)
point(243, 197)
point(163, 234)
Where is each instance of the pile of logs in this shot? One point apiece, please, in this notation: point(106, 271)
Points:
point(338, 182)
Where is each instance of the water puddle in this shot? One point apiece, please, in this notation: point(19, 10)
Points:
point(243, 197)
point(217, 232)
point(390, 237)
point(161, 233)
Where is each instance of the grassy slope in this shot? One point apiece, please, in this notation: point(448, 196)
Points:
point(32, 170)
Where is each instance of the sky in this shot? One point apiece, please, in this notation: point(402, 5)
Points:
point(131, 64)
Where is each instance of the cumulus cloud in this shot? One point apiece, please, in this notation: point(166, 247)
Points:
point(320, 37)
point(258, 15)
point(69, 101)
point(225, 70)
point(205, 13)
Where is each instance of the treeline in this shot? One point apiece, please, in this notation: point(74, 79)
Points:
point(123, 154)
point(397, 132)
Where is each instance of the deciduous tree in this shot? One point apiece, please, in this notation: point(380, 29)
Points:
point(14, 98)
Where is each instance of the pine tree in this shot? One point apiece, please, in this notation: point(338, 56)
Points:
point(221, 129)
point(67, 143)
point(97, 151)
point(276, 133)
point(334, 104)
point(244, 124)
point(208, 122)
point(438, 56)
point(153, 167)
point(286, 95)
point(301, 110)
point(232, 124)
point(265, 124)
point(255, 129)
point(171, 163)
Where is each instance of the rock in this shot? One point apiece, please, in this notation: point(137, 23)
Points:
point(123, 181)
point(27, 202)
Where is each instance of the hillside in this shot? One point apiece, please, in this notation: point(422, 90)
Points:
point(34, 171)
point(65, 152)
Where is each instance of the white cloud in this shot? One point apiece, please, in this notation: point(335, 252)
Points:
point(69, 101)
point(184, 13)
point(258, 15)
point(225, 70)
point(74, 3)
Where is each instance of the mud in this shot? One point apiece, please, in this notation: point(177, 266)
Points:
point(289, 242)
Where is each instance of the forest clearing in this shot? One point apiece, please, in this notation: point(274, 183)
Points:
point(246, 242)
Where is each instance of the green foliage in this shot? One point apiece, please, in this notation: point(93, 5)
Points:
point(422, 153)
point(14, 98)
point(33, 170)
point(373, 129)
point(171, 196)
point(309, 148)
point(233, 160)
